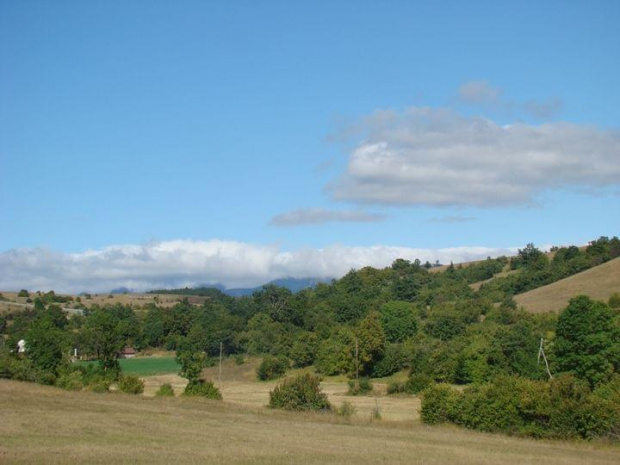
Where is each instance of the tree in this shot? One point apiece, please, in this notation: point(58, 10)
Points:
point(275, 301)
point(192, 364)
point(399, 321)
point(45, 345)
point(371, 342)
point(102, 337)
point(587, 342)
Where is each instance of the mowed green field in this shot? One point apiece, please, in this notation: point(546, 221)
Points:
point(42, 424)
point(146, 366)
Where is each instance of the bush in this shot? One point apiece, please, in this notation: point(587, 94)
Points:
point(202, 388)
point(359, 387)
point(71, 381)
point(271, 368)
point(375, 413)
point(561, 408)
point(23, 293)
point(99, 385)
point(393, 360)
point(130, 384)
point(165, 390)
point(300, 393)
point(347, 410)
point(417, 382)
point(396, 388)
point(22, 369)
point(239, 359)
point(438, 403)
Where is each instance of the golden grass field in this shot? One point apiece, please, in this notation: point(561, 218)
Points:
point(239, 386)
point(13, 302)
point(40, 424)
point(599, 283)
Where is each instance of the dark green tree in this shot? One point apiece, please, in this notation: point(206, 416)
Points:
point(371, 342)
point(45, 345)
point(102, 337)
point(587, 342)
point(399, 320)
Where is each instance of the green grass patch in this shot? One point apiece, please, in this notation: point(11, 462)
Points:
point(146, 366)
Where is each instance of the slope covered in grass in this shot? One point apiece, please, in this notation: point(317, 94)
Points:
point(47, 425)
point(599, 283)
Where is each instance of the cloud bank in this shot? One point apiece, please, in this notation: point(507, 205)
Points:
point(436, 157)
point(304, 216)
point(182, 263)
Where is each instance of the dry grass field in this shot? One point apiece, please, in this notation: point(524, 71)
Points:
point(42, 424)
point(13, 302)
point(599, 283)
point(239, 386)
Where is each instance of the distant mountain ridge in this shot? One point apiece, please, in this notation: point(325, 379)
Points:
point(292, 284)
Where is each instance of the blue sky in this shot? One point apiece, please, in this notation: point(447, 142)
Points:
point(298, 127)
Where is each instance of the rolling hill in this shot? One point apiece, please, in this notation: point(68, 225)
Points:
point(598, 283)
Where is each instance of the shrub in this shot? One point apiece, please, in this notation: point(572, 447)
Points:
point(271, 368)
point(239, 359)
point(99, 385)
point(393, 360)
point(438, 402)
point(375, 413)
point(130, 384)
point(202, 388)
point(165, 390)
point(561, 408)
point(347, 410)
point(300, 393)
point(359, 387)
point(396, 388)
point(614, 300)
point(23, 293)
point(417, 382)
point(71, 381)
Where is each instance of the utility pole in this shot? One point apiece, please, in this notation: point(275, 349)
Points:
point(219, 376)
point(541, 352)
point(357, 362)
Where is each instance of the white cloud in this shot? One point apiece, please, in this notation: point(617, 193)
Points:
point(305, 216)
point(188, 263)
point(482, 93)
point(436, 157)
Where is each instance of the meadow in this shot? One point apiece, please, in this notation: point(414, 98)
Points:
point(145, 366)
point(599, 283)
point(42, 424)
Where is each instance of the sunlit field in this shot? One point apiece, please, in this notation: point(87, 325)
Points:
point(43, 424)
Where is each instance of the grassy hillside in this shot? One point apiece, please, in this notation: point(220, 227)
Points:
point(47, 425)
point(598, 283)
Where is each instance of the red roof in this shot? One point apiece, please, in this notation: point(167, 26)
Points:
point(128, 351)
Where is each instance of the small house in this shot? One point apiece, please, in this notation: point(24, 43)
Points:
point(128, 352)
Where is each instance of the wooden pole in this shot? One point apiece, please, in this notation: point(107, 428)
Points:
point(219, 377)
point(357, 362)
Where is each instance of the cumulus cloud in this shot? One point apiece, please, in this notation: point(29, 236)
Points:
point(182, 263)
point(304, 216)
point(482, 93)
point(436, 157)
